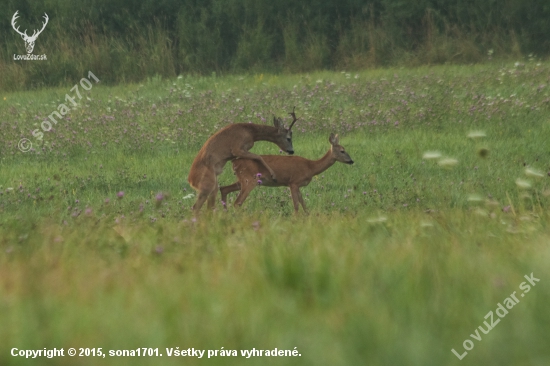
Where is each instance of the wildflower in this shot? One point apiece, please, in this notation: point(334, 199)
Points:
point(431, 155)
point(530, 172)
point(259, 175)
point(447, 162)
point(375, 220)
point(475, 198)
point(120, 194)
point(259, 181)
point(476, 134)
point(88, 211)
point(107, 200)
point(523, 184)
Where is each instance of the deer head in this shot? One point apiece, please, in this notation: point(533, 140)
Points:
point(338, 152)
point(29, 41)
point(284, 136)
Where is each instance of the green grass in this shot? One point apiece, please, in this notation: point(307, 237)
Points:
point(398, 262)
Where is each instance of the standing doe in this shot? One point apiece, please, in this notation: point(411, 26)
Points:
point(230, 143)
point(292, 171)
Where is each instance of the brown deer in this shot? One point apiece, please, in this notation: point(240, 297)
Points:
point(230, 143)
point(292, 171)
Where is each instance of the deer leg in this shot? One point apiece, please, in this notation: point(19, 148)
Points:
point(245, 191)
point(295, 193)
point(212, 198)
point(302, 200)
point(201, 198)
point(228, 189)
point(248, 155)
point(207, 184)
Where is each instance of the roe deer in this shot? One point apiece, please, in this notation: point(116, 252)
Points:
point(229, 143)
point(292, 171)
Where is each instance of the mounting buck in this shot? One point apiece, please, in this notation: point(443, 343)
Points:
point(292, 171)
point(29, 41)
point(230, 143)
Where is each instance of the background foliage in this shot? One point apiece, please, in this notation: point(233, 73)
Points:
point(125, 41)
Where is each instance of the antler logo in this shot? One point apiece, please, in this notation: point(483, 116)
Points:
point(29, 40)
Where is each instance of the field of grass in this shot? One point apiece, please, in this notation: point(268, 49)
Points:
point(402, 256)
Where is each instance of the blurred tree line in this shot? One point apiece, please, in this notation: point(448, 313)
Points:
point(124, 40)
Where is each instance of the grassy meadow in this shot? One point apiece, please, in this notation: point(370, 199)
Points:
point(400, 259)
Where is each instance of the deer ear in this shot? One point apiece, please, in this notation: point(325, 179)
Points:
point(331, 139)
point(276, 122)
point(336, 140)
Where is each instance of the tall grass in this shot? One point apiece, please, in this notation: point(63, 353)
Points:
point(342, 290)
point(129, 42)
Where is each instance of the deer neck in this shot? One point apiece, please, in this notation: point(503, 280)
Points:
point(323, 164)
point(263, 132)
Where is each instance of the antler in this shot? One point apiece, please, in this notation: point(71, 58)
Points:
point(294, 119)
point(34, 35)
point(24, 34)
point(17, 29)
